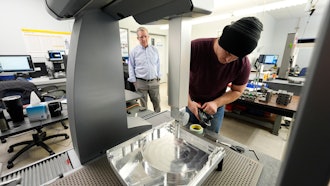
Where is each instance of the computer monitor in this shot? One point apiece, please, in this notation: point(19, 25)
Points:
point(56, 55)
point(16, 63)
point(268, 59)
point(125, 59)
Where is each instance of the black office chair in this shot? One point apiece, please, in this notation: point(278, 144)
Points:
point(48, 88)
point(128, 85)
point(24, 89)
point(303, 72)
point(52, 92)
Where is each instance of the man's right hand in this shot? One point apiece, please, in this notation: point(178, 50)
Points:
point(193, 107)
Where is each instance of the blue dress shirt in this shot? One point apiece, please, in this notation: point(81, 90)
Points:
point(144, 63)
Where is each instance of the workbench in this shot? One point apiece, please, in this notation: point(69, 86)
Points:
point(272, 107)
point(45, 81)
point(279, 84)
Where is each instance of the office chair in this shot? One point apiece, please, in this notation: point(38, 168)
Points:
point(24, 89)
point(48, 88)
point(128, 85)
point(53, 92)
point(303, 72)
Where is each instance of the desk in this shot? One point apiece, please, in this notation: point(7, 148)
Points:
point(272, 107)
point(42, 82)
point(278, 84)
point(45, 81)
point(27, 125)
point(130, 96)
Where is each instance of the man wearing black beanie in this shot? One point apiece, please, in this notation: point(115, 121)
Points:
point(217, 62)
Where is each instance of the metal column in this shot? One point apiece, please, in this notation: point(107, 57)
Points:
point(287, 56)
point(179, 63)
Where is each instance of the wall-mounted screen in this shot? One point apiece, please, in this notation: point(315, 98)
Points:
point(56, 55)
point(16, 63)
point(269, 59)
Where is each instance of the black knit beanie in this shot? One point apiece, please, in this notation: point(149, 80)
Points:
point(241, 37)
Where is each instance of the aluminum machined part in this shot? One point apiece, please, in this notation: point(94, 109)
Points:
point(157, 157)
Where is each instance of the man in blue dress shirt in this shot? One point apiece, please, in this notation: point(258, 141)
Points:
point(144, 70)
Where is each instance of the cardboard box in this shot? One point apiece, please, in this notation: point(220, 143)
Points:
point(37, 112)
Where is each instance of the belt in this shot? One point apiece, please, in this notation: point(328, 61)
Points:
point(147, 80)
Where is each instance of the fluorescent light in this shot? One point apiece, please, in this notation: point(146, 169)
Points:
point(242, 12)
point(253, 10)
point(269, 7)
point(247, 11)
point(207, 19)
point(283, 4)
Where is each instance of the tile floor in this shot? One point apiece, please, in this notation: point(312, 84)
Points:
point(253, 136)
point(58, 145)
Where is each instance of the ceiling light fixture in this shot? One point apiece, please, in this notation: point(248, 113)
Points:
point(243, 12)
point(207, 19)
point(269, 7)
point(247, 11)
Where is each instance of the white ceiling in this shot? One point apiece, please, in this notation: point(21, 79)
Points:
point(227, 6)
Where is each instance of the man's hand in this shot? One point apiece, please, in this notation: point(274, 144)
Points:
point(193, 107)
point(210, 107)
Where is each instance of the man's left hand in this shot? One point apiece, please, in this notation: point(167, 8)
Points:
point(210, 107)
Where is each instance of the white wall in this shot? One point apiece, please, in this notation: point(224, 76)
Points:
point(214, 29)
point(306, 27)
point(132, 25)
point(273, 37)
point(18, 14)
point(32, 14)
